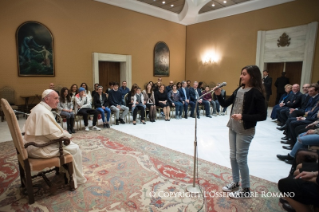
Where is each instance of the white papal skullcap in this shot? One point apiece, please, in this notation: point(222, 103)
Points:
point(46, 92)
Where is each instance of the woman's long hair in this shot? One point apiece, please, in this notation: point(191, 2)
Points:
point(133, 89)
point(86, 86)
point(255, 78)
point(67, 97)
point(71, 90)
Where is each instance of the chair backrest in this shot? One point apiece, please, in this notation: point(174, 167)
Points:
point(8, 94)
point(14, 128)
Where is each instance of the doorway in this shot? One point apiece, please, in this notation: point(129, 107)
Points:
point(108, 72)
point(293, 72)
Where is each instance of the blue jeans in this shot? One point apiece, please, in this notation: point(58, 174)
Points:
point(239, 146)
point(178, 108)
point(303, 142)
point(108, 112)
point(206, 107)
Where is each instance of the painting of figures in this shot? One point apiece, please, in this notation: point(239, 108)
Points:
point(161, 59)
point(35, 50)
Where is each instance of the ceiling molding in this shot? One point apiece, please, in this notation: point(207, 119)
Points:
point(189, 15)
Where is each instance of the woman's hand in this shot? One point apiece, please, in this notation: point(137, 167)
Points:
point(237, 116)
point(306, 175)
point(217, 91)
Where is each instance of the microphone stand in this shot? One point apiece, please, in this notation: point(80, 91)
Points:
point(195, 188)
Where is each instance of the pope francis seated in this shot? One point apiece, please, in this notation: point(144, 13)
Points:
point(41, 127)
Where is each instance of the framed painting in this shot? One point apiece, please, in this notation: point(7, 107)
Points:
point(35, 50)
point(161, 59)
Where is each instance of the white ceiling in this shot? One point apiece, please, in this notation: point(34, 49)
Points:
point(190, 12)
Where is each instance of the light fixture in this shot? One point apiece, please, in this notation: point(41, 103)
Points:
point(172, 5)
point(163, 2)
point(213, 5)
point(225, 2)
point(210, 57)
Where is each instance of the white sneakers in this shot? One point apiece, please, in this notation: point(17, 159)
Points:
point(96, 128)
point(231, 187)
point(93, 128)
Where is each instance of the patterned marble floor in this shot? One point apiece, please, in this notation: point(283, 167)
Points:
point(212, 140)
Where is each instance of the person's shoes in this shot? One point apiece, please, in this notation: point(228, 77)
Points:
point(289, 161)
point(284, 132)
point(286, 142)
point(87, 129)
point(209, 116)
point(284, 157)
point(284, 138)
point(198, 117)
point(134, 123)
point(281, 128)
point(162, 113)
point(282, 200)
point(96, 128)
point(69, 131)
point(243, 193)
point(185, 117)
point(143, 122)
point(122, 121)
point(231, 187)
point(104, 125)
point(274, 120)
point(223, 113)
point(288, 207)
point(287, 147)
point(117, 122)
point(107, 125)
point(280, 124)
point(214, 114)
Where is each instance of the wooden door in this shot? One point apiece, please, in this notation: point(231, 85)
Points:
point(293, 72)
point(275, 70)
point(108, 72)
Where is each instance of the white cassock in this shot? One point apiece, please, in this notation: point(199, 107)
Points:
point(41, 128)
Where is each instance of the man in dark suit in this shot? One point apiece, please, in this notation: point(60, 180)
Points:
point(267, 81)
point(195, 93)
point(280, 84)
point(184, 92)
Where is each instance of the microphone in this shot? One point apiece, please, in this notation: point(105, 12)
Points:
point(16, 111)
point(220, 85)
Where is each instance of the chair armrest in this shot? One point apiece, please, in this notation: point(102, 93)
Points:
point(65, 139)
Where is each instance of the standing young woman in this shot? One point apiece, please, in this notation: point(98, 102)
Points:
point(248, 107)
point(65, 108)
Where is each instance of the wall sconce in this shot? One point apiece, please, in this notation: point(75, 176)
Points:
point(210, 57)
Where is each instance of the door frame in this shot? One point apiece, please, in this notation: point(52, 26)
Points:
point(268, 52)
point(125, 66)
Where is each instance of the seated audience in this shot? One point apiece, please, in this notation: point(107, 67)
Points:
point(176, 101)
point(65, 108)
point(309, 138)
point(194, 94)
point(100, 103)
point(84, 108)
point(149, 99)
point(52, 87)
point(130, 97)
point(157, 86)
point(162, 101)
point(184, 91)
point(96, 85)
point(124, 90)
point(87, 92)
point(305, 190)
point(73, 92)
point(138, 104)
point(188, 84)
point(152, 84)
point(111, 84)
point(208, 97)
point(200, 86)
point(41, 128)
point(115, 102)
point(178, 85)
point(223, 95)
point(169, 87)
point(282, 99)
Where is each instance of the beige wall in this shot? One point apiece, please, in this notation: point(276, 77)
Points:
point(81, 27)
point(235, 40)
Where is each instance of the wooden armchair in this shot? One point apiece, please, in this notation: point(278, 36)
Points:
point(8, 94)
point(26, 164)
